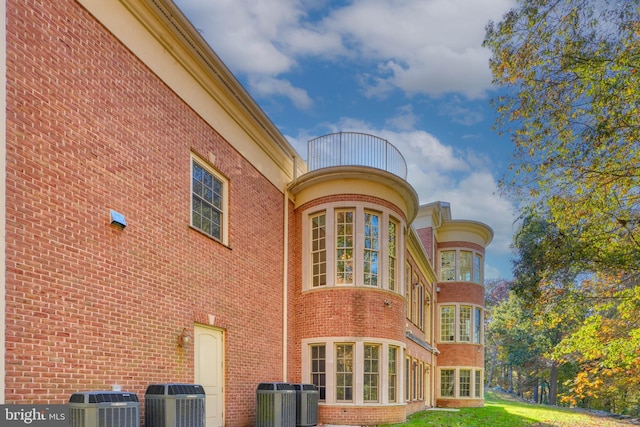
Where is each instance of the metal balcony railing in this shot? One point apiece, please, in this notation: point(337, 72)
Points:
point(355, 149)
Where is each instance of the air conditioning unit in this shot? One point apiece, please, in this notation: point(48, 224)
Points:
point(174, 405)
point(104, 409)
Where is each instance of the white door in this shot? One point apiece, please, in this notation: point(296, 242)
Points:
point(209, 372)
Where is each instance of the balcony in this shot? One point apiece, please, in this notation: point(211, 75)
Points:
point(355, 149)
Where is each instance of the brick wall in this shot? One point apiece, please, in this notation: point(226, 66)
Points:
point(90, 128)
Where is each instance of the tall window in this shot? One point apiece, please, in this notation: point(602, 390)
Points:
point(318, 250)
point(477, 265)
point(447, 382)
point(415, 295)
point(448, 265)
point(318, 369)
point(421, 306)
point(477, 336)
point(393, 374)
point(447, 323)
point(464, 268)
point(465, 383)
point(415, 381)
point(407, 289)
point(407, 378)
point(421, 381)
point(478, 384)
point(207, 200)
point(371, 372)
point(344, 247)
point(465, 323)
point(344, 372)
point(393, 257)
point(371, 248)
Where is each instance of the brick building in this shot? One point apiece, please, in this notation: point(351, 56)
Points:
point(159, 228)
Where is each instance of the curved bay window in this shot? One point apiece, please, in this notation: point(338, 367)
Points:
point(352, 246)
point(462, 265)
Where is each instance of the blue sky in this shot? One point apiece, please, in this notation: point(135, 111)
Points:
point(410, 71)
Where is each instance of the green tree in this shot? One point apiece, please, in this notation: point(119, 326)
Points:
point(570, 70)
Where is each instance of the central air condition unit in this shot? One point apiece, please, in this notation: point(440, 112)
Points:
point(174, 405)
point(104, 409)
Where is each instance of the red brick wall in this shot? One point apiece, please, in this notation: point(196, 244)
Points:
point(362, 416)
point(90, 128)
point(462, 292)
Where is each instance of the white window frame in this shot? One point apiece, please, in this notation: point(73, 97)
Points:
point(224, 208)
point(476, 275)
point(457, 326)
point(385, 216)
point(457, 385)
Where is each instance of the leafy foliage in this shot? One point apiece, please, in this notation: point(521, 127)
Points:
point(571, 70)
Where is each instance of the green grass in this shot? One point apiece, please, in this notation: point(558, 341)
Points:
point(502, 410)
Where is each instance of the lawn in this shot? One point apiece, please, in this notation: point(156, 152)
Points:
point(501, 410)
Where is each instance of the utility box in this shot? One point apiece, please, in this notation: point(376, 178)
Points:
point(104, 409)
point(276, 405)
point(174, 405)
point(307, 396)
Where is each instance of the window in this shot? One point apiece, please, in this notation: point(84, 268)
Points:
point(371, 248)
point(421, 381)
point(461, 383)
point(448, 265)
point(318, 250)
point(477, 265)
point(464, 274)
point(407, 289)
point(415, 302)
point(318, 369)
point(447, 323)
point(371, 372)
point(393, 374)
point(460, 265)
point(344, 247)
point(344, 372)
point(447, 382)
point(393, 257)
point(407, 378)
point(465, 383)
point(421, 306)
point(352, 246)
point(415, 381)
point(208, 200)
point(477, 336)
point(465, 323)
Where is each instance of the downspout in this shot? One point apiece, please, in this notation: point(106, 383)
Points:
point(285, 275)
point(285, 287)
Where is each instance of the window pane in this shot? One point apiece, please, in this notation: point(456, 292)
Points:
point(477, 336)
point(344, 372)
point(206, 203)
point(393, 374)
point(465, 383)
point(318, 251)
point(465, 323)
point(344, 247)
point(447, 323)
point(465, 266)
point(318, 374)
point(371, 373)
point(407, 289)
point(371, 248)
point(448, 265)
point(447, 379)
point(392, 255)
point(478, 385)
point(477, 265)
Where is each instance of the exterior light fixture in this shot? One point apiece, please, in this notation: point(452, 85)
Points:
point(184, 338)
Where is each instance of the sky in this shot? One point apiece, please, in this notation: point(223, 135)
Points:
point(413, 72)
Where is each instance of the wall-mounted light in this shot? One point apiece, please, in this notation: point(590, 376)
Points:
point(184, 338)
point(437, 288)
point(117, 219)
point(387, 303)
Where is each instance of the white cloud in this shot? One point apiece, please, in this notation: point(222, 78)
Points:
point(427, 47)
point(267, 86)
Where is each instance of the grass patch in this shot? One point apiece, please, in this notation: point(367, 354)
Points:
point(502, 410)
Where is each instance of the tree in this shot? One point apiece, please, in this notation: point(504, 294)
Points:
point(571, 74)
